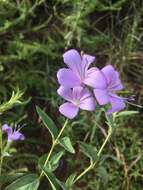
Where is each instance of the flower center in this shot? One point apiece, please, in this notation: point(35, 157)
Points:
point(76, 102)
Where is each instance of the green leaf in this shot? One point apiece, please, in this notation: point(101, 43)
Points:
point(52, 179)
point(48, 122)
point(70, 181)
point(55, 183)
point(107, 156)
point(102, 173)
point(53, 162)
point(89, 151)
point(9, 178)
point(66, 143)
point(27, 182)
point(126, 113)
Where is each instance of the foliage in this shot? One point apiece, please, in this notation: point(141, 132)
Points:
point(34, 34)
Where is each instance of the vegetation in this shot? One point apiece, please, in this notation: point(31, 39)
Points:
point(33, 37)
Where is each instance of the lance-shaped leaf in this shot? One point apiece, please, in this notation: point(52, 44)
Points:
point(70, 181)
point(55, 183)
point(66, 143)
point(102, 173)
point(9, 178)
point(89, 151)
point(126, 113)
point(53, 163)
point(27, 182)
point(48, 122)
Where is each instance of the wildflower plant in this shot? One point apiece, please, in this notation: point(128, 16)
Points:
point(83, 88)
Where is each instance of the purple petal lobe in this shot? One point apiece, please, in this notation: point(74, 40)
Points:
point(73, 59)
point(88, 104)
point(66, 93)
point(68, 78)
point(16, 136)
point(77, 92)
point(96, 80)
point(69, 110)
point(117, 104)
point(109, 73)
point(87, 101)
point(101, 96)
point(7, 129)
point(116, 82)
point(87, 60)
point(112, 78)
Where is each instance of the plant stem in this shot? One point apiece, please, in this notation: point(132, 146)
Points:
point(1, 157)
point(106, 140)
point(91, 166)
point(55, 142)
point(84, 172)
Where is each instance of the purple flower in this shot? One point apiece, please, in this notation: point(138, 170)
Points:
point(105, 83)
point(78, 98)
point(78, 72)
point(13, 135)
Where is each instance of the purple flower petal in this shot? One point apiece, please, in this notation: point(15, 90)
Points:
point(117, 104)
point(7, 129)
point(69, 110)
point(96, 80)
point(77, 92)
point(16, 136)
point(101, 96)
point(87, 60)
point(112, 78)
point(87, 101)
point(88, 104)
point(68, 78)
point(116, 82)
point(73, 59)
point(91, 71)
point(66, 93)
point(109, 73)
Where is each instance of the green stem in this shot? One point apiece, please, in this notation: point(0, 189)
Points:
point(106, 140)
point(1, 157)
point(91, 166)
point(55, 142)
point(3, 150)
point(84, 172)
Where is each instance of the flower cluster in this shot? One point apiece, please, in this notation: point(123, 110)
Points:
point(82, 86)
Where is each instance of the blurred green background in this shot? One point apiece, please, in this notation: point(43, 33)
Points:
point(33, 36)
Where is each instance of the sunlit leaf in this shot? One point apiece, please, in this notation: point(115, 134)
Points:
point(70, 180)
point(66, 143)
point(126, 113)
